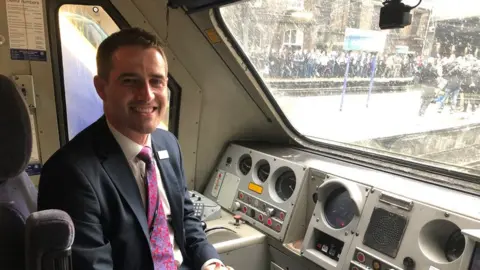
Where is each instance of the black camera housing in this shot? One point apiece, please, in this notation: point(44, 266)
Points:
point(394, 14)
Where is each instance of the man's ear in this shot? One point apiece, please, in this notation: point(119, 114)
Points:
point(100, 85)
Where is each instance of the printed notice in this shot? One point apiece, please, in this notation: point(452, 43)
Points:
point(26, 30)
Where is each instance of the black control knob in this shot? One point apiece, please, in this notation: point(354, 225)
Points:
point(199, 198)
point(409, 263)
point(204, 225)
point(193, 195)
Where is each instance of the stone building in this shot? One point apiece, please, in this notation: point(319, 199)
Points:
point(310, 24)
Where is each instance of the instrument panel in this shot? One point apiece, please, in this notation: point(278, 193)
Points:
point(333, 222)
point(267, 189)
point(354, 218)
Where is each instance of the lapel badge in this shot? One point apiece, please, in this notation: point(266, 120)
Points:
point(163, 154)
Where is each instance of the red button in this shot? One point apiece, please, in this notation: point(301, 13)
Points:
point(240, 195)
point(282, 215)
point(360, 257)
point(260, 217)
point(269, 222)
point(245, 209)
point(278, 227)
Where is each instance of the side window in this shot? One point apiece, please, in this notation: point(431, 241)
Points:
point(82, 29)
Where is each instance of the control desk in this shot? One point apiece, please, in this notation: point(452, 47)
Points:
point(336, 215)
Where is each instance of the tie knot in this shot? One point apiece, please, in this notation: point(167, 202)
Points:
point(145, 155)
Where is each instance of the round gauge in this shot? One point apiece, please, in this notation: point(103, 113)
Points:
point(245, 164)
point(263, 172)
point(339, 208)
point(454, 246)
point(285, 185)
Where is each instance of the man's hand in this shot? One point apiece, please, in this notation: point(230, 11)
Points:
point(217, 266)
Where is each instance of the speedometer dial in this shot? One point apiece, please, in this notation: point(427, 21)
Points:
point(339, 208)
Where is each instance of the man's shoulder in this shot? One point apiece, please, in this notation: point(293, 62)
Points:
point(163, 132)
point(161, 135)
point(75, 150)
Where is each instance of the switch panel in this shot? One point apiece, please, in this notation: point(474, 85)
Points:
point(261, 211)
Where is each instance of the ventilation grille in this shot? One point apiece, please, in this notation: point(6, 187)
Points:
point(385, 232)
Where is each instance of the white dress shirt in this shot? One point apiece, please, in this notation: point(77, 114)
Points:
point(131, 149)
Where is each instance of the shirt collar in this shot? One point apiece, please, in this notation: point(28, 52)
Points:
point(130, 148)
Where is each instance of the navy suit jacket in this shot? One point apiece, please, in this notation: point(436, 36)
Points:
point(91, 180)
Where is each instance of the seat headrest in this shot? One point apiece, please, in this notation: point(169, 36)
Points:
point(15, 130)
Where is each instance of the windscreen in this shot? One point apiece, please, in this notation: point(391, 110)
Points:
point(338, 78)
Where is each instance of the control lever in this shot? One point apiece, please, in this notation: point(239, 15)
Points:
point(204, 225)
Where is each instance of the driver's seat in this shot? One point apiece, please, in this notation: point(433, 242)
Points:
point(18, 195)
point(29, 240)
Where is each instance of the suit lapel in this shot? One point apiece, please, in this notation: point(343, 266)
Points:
point(116, 165)
point(169, 183)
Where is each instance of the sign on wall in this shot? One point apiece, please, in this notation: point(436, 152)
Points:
point(364, 40)
point(26, 30)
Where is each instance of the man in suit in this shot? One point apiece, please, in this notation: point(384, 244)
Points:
point(121, 179)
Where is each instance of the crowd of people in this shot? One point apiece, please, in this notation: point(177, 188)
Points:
point(443, 80)
point(316, 63)
point(450, 80)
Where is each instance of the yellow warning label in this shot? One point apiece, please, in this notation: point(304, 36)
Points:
point(213, 35)
point(256, 188)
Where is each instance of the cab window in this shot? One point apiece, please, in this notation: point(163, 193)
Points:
point(82, 29)
point(411, 94)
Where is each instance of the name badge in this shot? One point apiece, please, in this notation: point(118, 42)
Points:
point(163, 154)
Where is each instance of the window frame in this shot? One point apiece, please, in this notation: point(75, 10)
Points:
point(174, 105)
point(421, 170)
point(53, 8)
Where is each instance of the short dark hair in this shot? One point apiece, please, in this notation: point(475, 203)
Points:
point(126, 37)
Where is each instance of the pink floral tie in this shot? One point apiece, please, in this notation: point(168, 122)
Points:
point(160, 245)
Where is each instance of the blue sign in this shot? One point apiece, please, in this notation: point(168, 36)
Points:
point(355, 43)
point(30, 55)
point(34, 169)
point(364, 40)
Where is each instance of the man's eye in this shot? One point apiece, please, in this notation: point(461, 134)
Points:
point(129, 81)
point(156, 82)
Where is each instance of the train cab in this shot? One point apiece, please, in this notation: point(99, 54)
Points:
point(311, 136)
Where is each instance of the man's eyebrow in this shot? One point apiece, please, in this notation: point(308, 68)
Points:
point(158, 76)
point(130, 74)
point(123, 75)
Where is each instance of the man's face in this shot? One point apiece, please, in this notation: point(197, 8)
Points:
point(135, 96)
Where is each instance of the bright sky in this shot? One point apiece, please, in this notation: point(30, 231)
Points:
point(443, 9)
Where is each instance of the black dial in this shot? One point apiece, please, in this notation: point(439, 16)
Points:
point(245, 164)
point(455, 246)
point(285, 185)
point(339, 208)
point(263, 172)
